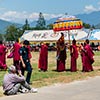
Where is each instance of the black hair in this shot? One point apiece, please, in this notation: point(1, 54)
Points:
point(0, 42)
point(62, 34)
point(87, 41)
point(26, 42)
point(17, 40)
point(74, 41)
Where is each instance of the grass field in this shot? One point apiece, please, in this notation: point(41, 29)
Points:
point(40, 79)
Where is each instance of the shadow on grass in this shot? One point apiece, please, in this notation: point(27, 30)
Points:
point(67, 70)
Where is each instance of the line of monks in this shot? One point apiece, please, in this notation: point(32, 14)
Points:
point(87, 56)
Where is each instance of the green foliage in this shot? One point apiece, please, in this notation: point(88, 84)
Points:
point(93, 27)
point(1, 37)
point(12, 33)
point(87, 26)
point(41, 23)
point(50, 26)
point(26, 26)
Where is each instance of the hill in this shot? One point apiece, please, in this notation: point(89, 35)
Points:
point(4, 24)
point(98, 26)
point(92, 18)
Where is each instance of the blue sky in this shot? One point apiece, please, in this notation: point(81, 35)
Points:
point(19, 10)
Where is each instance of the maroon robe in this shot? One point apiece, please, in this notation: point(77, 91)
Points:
point(16, 55)
point(61, 56)
point(2, 57)
point(43, 58)
point(84, 67)
point(82, 53)
point(29, 52)
point(61, 60)
point(74, 56)
point(87, 58)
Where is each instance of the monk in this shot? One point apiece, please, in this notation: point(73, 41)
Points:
point(29, 51)
point(88, 59)
point(82, 53)
point(2, 56)
point(16, 56)
point(74, 56)
point(43, 57)
point(61, 54)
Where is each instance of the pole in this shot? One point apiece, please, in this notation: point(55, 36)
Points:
point(69, 36)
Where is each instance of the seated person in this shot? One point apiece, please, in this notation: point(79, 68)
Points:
point(12, 83)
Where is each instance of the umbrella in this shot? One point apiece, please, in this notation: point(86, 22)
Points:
point(67, 23)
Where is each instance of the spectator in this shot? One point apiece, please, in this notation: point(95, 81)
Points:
point(12, 83)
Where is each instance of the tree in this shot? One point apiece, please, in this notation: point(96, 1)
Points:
point(26, 26)
point(11, 33)
point(1, 37)
point(50, 26)
point(41, 23)
point(86, 25)
point(93, 26)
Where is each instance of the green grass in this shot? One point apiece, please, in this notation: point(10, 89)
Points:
point(51, 76)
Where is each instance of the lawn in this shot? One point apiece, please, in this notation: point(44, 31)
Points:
point(51, 76)
point(40, 79)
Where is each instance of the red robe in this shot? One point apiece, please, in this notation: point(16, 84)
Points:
point(2, 57)
point(74, 56)
point(82, 53)
point(87, 58)
point(61, 57)
point(43, 58)
point(29, 52)
point(61, 61)
point(16, 55)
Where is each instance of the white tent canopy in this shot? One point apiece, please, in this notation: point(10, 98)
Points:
point(49, 35)
point(94, 35)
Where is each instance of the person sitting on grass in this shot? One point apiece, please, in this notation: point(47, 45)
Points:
point(13, 83)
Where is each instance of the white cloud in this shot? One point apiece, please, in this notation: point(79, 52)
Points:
point(13, 15)
point(49, 16)
point(19, 17)
point(90, 8)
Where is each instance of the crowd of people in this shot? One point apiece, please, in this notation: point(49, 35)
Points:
point(85, 50)
point(21, 54)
